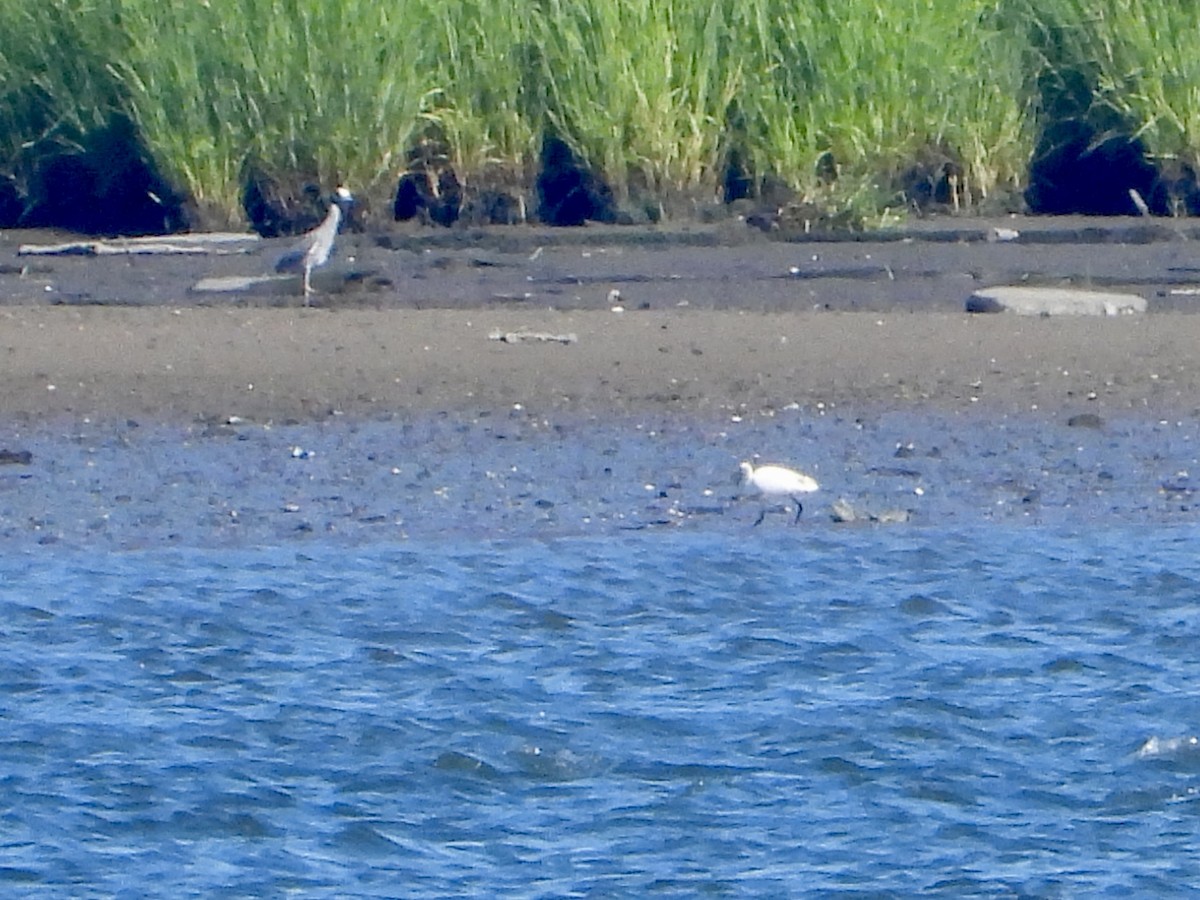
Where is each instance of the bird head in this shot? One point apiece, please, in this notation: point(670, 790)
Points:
point(343, 200)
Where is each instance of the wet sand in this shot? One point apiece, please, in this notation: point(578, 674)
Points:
point(388, 410)
point(287, 365)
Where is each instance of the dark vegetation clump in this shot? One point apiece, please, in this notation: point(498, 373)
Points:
point(430, 191)
point(568, 192)
point(107, 184)
point(1087, 160)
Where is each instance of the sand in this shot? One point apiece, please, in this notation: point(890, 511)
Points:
point(296, 365)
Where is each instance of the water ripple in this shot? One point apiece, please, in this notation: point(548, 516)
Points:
point(875, 712)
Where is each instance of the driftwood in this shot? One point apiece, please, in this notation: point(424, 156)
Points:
point(177, 244)
point(516, 337)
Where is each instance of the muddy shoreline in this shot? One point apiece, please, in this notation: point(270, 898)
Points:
point(704, 320)
point(389, 410)
point(515, 474)
point(927, 267)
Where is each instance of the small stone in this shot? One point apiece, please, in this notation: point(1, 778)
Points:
point(1085, 420)
point(1178, 486)
point(842, 511)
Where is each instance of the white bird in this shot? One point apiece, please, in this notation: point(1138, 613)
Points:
point(314, 248)
point(778, 481)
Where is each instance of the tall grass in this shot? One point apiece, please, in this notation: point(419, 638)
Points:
point(321, 90)
point(874, 84)
point(476, 59)
point(1143, 58)
point(54, 87)
point(642, 88)
point(655, 94)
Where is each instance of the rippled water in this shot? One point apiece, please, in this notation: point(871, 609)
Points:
point(874, 712)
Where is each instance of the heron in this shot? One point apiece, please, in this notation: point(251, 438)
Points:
point(778, 481)
point(314, 248)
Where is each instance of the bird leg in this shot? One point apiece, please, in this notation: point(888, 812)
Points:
point(307, 283)
point(762, 514)
point(799, 509)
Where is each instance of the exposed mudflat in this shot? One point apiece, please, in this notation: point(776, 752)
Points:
point(928, 267)
point(516, 474)
point(153, 414)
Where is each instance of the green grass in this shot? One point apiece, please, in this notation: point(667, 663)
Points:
point(876, 84)
point(477, 69)
point(640, 88)
point(1143, 60)
point(655, 94)
point(292, 88)
point(54, 86)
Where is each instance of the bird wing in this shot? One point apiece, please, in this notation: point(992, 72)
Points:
point(321, 237)
point(293, 259)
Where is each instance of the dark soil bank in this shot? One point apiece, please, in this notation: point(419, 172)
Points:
point(931, 266)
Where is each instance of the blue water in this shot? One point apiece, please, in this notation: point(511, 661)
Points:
point(791, 712)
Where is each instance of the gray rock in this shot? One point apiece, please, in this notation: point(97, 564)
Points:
point(844, 512)
point(1053, 301)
